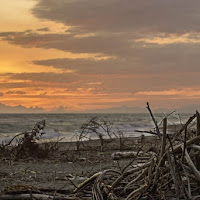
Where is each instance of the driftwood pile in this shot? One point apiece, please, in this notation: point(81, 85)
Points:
point(172, 172)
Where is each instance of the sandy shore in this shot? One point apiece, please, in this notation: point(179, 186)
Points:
point(67, 167)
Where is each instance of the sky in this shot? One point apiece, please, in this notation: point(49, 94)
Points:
point(99, 55)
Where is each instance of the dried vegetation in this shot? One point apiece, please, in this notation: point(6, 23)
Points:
point(27, 144)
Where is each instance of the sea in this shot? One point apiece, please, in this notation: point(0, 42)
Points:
point(67, 127)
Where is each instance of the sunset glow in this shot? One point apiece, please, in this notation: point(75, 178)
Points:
point(60, 56)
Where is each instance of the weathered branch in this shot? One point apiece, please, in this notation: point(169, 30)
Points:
point(154, 121)
point(191, 164)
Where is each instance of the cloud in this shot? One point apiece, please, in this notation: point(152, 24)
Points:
point(1, 94)
point(130, 30)
point(54, 83)
point(185, 92)
point(109, 80)
point(170, 16)
point(126, 56)
point(106, 44)
point(150, 60)
point(138, 49)
point(16, 92)
point(46, 29)
point(44, 77)
point(89, 66)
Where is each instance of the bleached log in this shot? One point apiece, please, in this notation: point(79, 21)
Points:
point(128, 154)
point(121, 155)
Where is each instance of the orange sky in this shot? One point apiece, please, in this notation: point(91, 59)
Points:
point(70, 56)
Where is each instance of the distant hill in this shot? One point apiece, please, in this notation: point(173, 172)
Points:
point(120, 109)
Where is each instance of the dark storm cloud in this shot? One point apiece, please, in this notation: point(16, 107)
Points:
point(129, 15)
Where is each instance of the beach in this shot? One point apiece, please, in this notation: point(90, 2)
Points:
point(67, 166)
point(108, 166)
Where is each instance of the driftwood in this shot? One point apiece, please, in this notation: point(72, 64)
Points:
point(36, 197)
point(154, 121)
point(91, 179)
point(127, 154)
point(192, 166)
point(172, 173)
point(29, 196)
point(195, 140)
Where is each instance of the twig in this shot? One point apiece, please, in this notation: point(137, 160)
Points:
point(150, 132)
point(131, 162)
point(164, 137)
point(155, 122)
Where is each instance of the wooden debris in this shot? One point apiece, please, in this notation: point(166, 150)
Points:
point(166, 176)
point(171, 173)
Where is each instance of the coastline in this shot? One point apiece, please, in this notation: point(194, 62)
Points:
point(122, 167)
point(66, 164)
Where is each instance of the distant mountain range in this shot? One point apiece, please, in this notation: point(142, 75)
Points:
point(121, 109)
